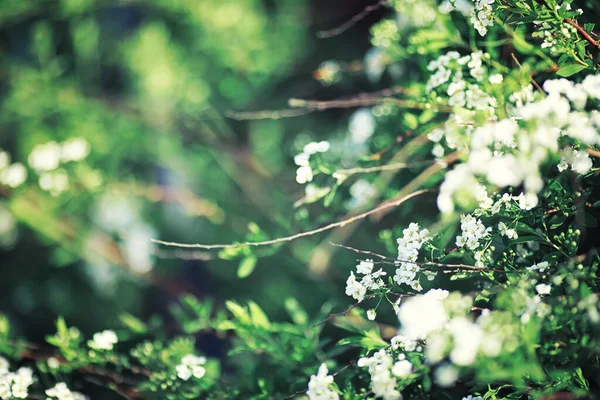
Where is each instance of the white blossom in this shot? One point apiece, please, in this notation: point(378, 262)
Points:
point(543, 288)
point(14, 175)
point(371, 314)
point(318, 386)
point(189, 366)
point(45, 157)
point(75, 149)
point(421, 315)
point(104, 340)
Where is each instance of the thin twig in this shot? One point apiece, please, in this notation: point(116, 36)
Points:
point(362, 102)
point(183, 255)
point(381, 207)
point(378, 168)
point(393, 261)
point(350, 23)
point(265, 114)
point(537, 86)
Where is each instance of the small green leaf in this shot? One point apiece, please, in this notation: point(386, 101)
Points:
point(246, 266)
point(238, 311)
point(258, 316)
point(133, 323)
point(570, 70)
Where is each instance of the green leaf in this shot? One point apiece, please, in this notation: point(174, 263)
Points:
point(570, 70)
point(238, 311)
point(133, 323)
point(296, 312)
point(258, 316)
point(246, 266)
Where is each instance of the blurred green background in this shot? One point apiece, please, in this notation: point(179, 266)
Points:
point(152, 86)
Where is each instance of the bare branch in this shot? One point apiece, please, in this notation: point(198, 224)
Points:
point(350, 23)
point(381, 207)
point(265, 114)
point(378, 168)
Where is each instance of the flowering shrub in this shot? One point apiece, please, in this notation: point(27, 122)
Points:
point(495, 298)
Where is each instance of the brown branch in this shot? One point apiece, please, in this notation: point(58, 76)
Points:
point(583, 33)
point(353, 21)
point(381, 207)
point(574, 24)
point(593, 153)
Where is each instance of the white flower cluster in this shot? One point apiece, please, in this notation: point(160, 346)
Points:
point(61, 392)
point(440, 319)
point(473, 231)
point(552, 37)
point(465, 7)
point(14, 385)
point(511, 152)
point(369, 281)
point(405, 343)
point(318, 386)
point(191, 365)
point(104, 340)
point(578, 161)
point(48, 156)
point(482, 16)
point(506, 231)
point(409, 245)
point(11, 175)
point(471, 397)
point(46, 159)
point(384, 371)
point(463, 93)
point(423, 314)
point(304, 172)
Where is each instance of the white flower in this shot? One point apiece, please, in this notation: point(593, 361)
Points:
point(403, 342)
point(3, 366)
point(104, 340)
point(365, 267)
point(496, 79)
point(473, 232)
point(371, 314)
point(361, 126)
point(543, 288)
point(506, 231)
point(541, 267)
point(318, 386)
point(446, 375)
point(14, 175)
point(471, 397)
point(62, 392)
point(45, 157)
point(75, 149)
point(383, 383)
point(316, 147)
point(191, 365)
point(421, 315)
point(354, 288)
point(53, 363)
point(54, 182)
point(301, 159)
point(183, 372)
point(467, 338)
point(198, 371)
point(402, 368)
point(304, 174)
